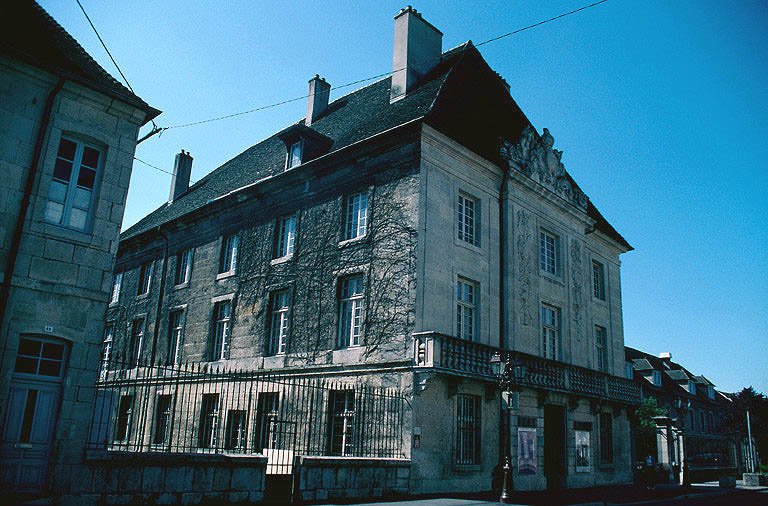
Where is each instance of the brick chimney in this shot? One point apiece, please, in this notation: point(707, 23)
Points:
point(417, 49)
point(317, 102)
point(182, 168)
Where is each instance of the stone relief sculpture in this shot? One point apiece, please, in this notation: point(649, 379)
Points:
point(578, 292)
point(535, 157)
point(524, 267)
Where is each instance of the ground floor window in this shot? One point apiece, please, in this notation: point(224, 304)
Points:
point(606, 438)
point(468, 429)
point(209, 421)
point(124, 415)
point(237, 420)
point(162, 418)
point(341, 426)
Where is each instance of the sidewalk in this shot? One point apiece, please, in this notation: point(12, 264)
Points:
point(618, 495)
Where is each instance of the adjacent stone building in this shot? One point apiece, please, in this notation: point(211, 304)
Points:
point(397, 237)
point(67, 136)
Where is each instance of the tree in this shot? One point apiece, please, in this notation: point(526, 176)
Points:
point(735, 421)
point(645, 427)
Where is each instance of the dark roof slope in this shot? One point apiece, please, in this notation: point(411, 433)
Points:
point(30, 34)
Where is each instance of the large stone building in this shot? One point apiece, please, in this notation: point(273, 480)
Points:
point(67, 136)
point(397, 237)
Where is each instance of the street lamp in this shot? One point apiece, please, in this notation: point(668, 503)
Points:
point(683, 408)
point(509, 375)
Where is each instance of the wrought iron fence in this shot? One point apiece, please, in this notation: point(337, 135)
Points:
point(212, 408)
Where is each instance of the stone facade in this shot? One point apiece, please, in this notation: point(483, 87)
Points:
point(62, 274)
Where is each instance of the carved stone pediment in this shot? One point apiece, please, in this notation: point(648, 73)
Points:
point(535, 157)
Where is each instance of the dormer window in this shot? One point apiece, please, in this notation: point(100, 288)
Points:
point(657, 378)
point(710, 391)
point(691, 387)
point(294, 155)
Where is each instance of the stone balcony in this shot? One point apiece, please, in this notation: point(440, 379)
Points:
point(453, 356)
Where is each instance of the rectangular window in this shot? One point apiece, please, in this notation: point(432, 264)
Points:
point(601, 349)
point(40, 357)
point(285, 236)
point(355, 215)
point(656, 376)
point(606, 438)
point(237, 424)
point(222, 313)
point(265, 432)
point(70, 196)
point(630, 371)
point(691, 387)
point(116, 284)
point(468, 220)
point(550, 332)
point(183, 267)
point(549, 253)
point(175, 334)
point(465, 309)
point(294, 155)
point(124, 415)
point(279, 307)
point(145, 278)
point(162, 419)
point(106, 350)
point(228, 258)
point(710, 391)
point(137, 338)
point(468, 429)
point(350, 311)
point(598, 280)
point(341, 422)
point(209, 421)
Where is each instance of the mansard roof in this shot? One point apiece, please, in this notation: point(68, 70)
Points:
point(30, 34)
point(461, 97)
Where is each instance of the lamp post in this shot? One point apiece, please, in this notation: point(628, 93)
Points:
point(509, 375)
point(683, 408)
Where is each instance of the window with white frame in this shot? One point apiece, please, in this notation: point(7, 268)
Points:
point(145, 278)
point(294, 155)
point(350, 311)
point(279, 308)
point(598, 280)
point(355, 215)
point(137, 338)
point(267, 412)
point(228, 257)
point(601, 349)
point(163, 406)
point(341, 437)
point(468, 429)
point(285, 236)
point(183, 267)
point(106, 349)
point(71, 194)
point(124, 417)
point(117, 282)
point(209, 421)
point(236, 430)
point(468, 219)
point(175, 335)
point(466, 324)
point(549, 253)
point(222, 313)
point(550, 332)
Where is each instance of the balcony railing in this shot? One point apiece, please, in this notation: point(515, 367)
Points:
point(467, 358)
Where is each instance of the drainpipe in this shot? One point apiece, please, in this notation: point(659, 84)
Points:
point(158, 314)
point(503, 267)
point(13, 253)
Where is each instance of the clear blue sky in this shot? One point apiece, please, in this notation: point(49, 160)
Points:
point(660, 107)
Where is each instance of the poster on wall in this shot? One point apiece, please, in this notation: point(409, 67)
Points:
point(526, 451)
point(582, 451)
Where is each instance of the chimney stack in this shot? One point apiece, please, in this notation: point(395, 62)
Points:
point(182, 168)
point(666, 357)
point(417, 49)
point(319, 90)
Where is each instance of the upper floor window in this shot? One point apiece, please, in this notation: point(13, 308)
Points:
point(549, 253)
point(350, 311)
point(550, 332)
point(70, 196)
point(710, 391)
point(117, 282)
point(691, 387)
point(183, 267)
point(285, 236)
point(279, 307)
point(598, 280)
point(355, 215)
point(137, 336)
point(145, 278)
point(629, 371)
point(294, 155)
point(468, 218)
point(465, 309)
point(222, 313)
point(106, 350)
point(175, 334)
point(468, 429)
point(601, 350)
point(228, 258)
point(656, 377)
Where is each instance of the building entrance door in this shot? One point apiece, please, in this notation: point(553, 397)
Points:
point(554, 446)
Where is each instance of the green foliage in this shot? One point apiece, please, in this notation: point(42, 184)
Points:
point(736, 419)
point(645, 413)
